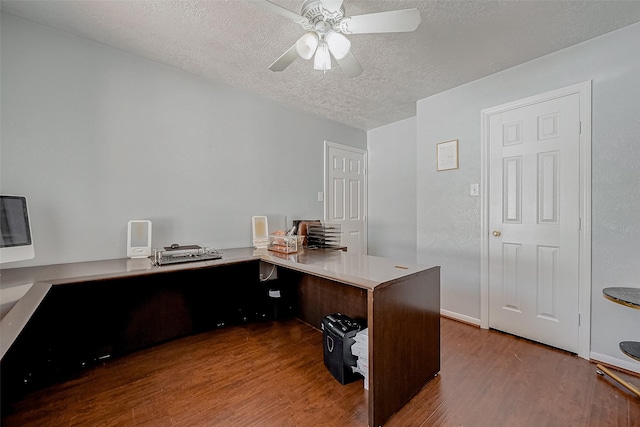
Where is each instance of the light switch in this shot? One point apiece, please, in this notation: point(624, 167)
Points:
point(320, 196)
point(474, 190)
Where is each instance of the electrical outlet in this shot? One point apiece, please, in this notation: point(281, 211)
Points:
point(320, 196)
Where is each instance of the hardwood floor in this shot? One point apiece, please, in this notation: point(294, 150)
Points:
point(272, 374)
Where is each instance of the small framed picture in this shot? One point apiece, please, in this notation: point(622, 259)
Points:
point(447, 155)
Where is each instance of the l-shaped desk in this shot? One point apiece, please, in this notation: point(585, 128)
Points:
point(95, 310)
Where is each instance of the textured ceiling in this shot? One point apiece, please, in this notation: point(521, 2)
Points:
point(234, 42)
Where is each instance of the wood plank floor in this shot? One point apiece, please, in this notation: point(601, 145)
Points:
point(272, 374)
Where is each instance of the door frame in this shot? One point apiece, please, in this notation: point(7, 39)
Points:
point(584, 256)
point(327, 146)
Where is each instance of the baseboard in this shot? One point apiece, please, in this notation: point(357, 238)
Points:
point(460, 317)
point(614, 362)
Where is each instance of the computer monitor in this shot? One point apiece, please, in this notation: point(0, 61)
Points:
point(16, 243)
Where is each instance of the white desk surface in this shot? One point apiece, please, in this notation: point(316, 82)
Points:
point(364, 271)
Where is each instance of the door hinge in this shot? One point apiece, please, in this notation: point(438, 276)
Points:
point(578, 319)
point(579, 223)
point(579, 126)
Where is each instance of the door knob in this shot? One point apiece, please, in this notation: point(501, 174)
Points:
point(496, 233)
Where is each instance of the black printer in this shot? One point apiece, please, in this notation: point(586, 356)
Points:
point(338, 332)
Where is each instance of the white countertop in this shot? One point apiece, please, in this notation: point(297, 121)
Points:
point(364, 271)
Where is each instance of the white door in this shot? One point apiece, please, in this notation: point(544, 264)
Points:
point(346, 193)
point(534, 221)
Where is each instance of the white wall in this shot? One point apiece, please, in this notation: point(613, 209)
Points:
point(391, 222)
point(95, 137)
point(448, 221)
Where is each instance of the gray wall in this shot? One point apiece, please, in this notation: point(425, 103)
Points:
point(392, 181)
point(448, 219)
point(95, 137)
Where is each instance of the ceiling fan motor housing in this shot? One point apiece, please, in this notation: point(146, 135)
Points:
point(321, 19)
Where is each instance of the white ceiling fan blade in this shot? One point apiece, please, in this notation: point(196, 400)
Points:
point(332, 5)
point(279, 10)
point(350, 65)
point(285, 59)
point(395, 21)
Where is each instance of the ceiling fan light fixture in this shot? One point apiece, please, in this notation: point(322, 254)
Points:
point(338, 44)
point(306, 45)
point(322, 60)
point(326, 23)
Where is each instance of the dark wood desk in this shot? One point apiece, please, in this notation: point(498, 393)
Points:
point(89, 312)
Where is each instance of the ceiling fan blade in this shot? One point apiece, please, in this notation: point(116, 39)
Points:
point(279, 10)
point(285, 59)
point(331, 5)
point(350, 65)
point(395, 21)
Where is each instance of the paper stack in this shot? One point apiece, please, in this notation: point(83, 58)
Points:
point(360, 349)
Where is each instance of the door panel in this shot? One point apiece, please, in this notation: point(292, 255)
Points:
point(338, 199)
point(534, 164)
point(346, 198)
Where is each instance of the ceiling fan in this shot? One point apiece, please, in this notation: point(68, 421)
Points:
point(326, 24)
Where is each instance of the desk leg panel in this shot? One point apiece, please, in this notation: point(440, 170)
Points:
point(318, 297)
point(404, 341)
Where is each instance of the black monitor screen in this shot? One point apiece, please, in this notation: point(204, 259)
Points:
point(14, 222)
